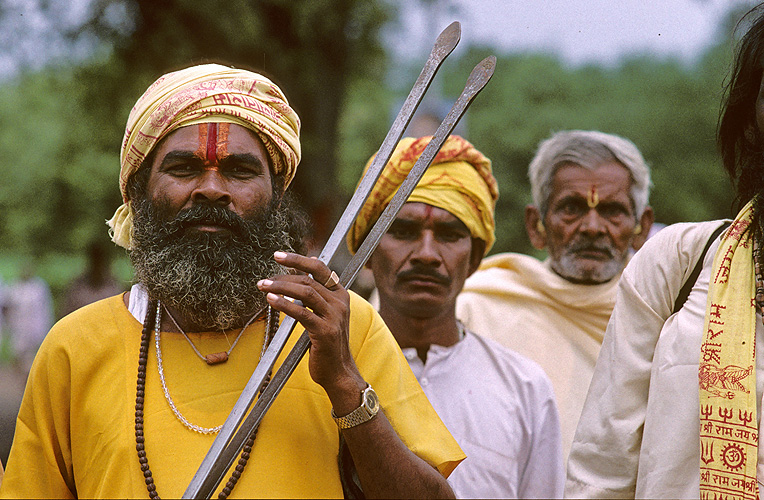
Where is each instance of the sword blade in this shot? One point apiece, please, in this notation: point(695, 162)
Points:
point(221, 455)
point(443, 46)
point(479, 77)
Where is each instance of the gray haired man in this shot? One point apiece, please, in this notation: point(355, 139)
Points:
point(590, 192)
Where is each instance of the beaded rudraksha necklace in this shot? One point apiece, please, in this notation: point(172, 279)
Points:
point(153, 316)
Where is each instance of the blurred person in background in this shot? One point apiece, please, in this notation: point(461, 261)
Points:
point(590, 194)
point(3, 312)
point(29, 315)
point(498, 405)
point(96, 283)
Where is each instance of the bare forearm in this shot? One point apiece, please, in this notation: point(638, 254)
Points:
point(387, 468)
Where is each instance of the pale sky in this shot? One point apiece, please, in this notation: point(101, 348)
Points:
point(580, 31)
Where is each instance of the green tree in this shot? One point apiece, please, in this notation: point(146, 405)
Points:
point(65, 121)
point(311, 49)
point(668, 109)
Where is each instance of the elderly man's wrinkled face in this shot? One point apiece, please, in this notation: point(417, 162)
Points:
point(207, 228)
point(590, 223)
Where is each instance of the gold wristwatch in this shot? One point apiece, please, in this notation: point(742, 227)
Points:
point(368, 409)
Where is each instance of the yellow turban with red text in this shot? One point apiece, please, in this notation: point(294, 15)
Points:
point(199, 94)
point(459, 180)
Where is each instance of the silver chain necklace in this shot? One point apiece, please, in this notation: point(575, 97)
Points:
point(160, 367)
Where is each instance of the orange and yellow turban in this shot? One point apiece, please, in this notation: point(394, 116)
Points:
point(459, 180)
point(199, 94)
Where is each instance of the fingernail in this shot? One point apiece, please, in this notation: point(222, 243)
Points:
point(262, 283)
point(272, 296)
point(279, 255)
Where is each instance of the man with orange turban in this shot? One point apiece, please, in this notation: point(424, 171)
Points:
point(498, 405)
point(126, 394)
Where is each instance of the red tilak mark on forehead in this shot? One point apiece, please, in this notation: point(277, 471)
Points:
point(593, 198)
point(212, 143)
point(427, 212)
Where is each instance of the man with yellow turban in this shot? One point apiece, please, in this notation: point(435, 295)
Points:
point(498, 405)
point(126, 395)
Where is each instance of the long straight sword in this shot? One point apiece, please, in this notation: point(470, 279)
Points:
point(223, 451)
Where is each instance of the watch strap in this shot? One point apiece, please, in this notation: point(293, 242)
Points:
point(361, 414)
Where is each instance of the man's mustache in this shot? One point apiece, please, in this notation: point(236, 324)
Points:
point(203, 214)
point(424, 272)
point(588, 244)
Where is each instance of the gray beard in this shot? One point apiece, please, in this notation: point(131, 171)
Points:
point(210, 278)
point(567, 265)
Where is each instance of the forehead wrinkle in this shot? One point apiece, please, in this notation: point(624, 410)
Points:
point(603, 192)
point(453, 224)
point(420, 222)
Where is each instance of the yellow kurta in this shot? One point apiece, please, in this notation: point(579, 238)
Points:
point(75, 429)
point(520, 302)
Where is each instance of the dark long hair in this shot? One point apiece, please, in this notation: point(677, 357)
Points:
point(739, 137)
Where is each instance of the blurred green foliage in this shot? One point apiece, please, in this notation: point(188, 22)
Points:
point(62, 125)
point(669, 110)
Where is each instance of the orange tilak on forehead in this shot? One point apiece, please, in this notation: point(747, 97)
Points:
point(592, 197)
point(213, 143)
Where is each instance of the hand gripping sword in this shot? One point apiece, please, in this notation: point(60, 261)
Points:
point(230, 441)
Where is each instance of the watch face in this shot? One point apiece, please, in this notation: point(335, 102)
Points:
point(372, 402)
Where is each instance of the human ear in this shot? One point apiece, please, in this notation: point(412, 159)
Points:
point(534, 226)
point(644, 225)
point(367, 265)
point(476, 255)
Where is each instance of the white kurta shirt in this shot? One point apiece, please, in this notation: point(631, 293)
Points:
point(639, 430)
point(500, 407)
point(518, 301)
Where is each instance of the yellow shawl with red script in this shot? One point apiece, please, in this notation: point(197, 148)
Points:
point(728, 422)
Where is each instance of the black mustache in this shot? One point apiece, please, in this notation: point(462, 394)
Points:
point(417, 272)
point(207, 215)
